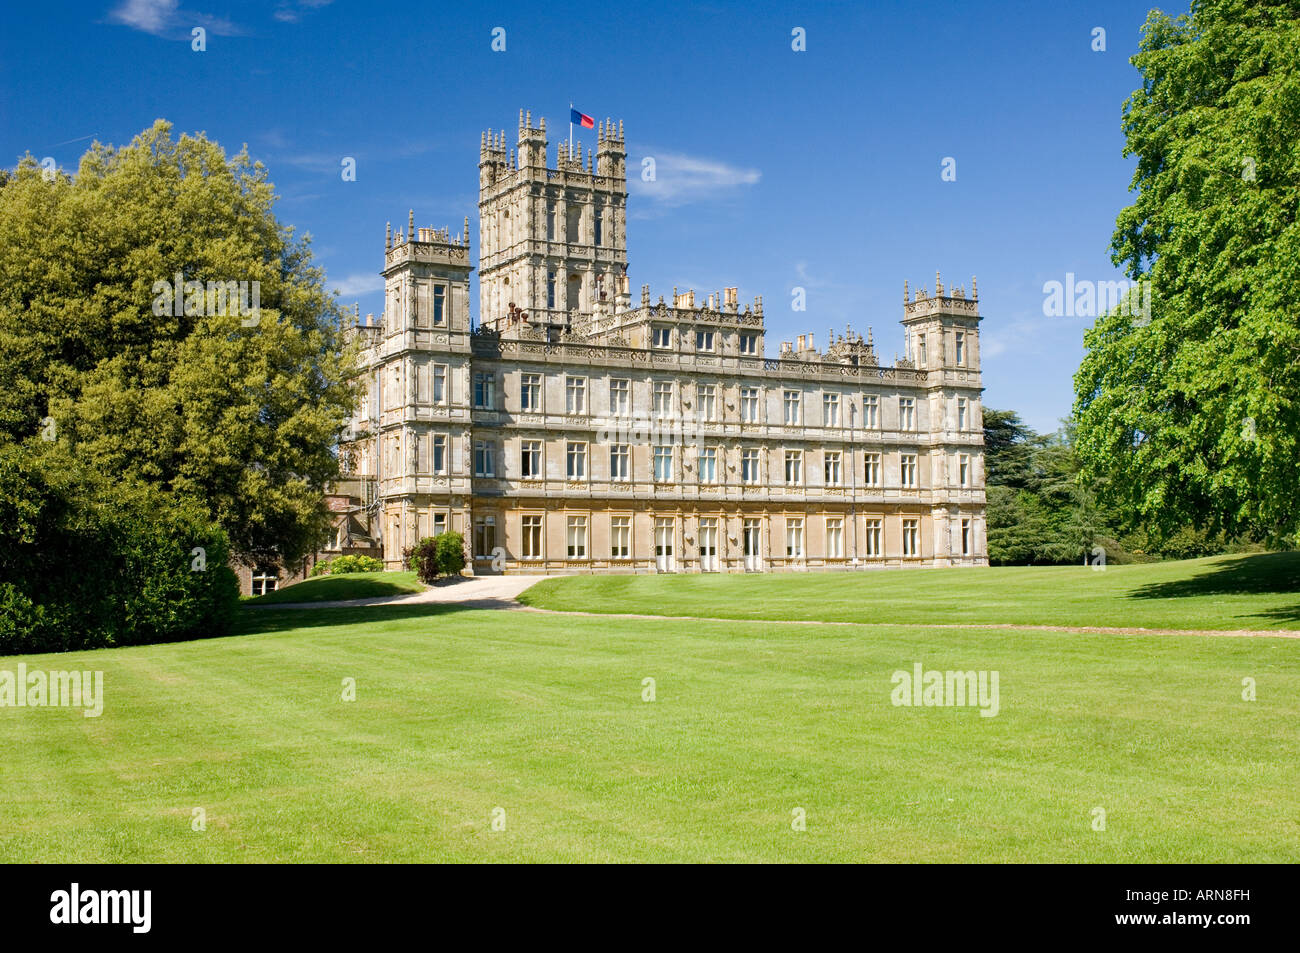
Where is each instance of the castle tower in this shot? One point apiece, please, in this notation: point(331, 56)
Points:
point(552, 242)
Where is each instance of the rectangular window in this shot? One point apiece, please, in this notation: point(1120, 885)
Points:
point(911, 538)
point(965, 537)
point(831, 410)
point(906, 413)
point(704, 340)
point(600, 219)
point(439, 453)
point(530, 393)
point(485, 391)
point(439, 304)
point(871, 411)
point(663, 337)
point(550, 279)
point(749, 405)
point(439, 523)
point(871, 544)
point(576, 537)
point(620, 537)
point(832, 468)
point(264, 580)
point(794, 538)
point(871, 465)
point(706, 397)
point(663, 462)
point(620, 397)
point(708, 464)
point(790, 400)
point(749, 344)
point(960, 346)
point(619, 466)
point(793, 467)
point(749, 466)
point(577, 461)
point(532, 533)
point(834, 537)
point(485, 536)
point(440, 383)
point(663, 399)
point(483, 462)
point(961, 413)
point(920, 350)
point(575, 395)
point(530, 459)
point(963, 469)
point(907, 469)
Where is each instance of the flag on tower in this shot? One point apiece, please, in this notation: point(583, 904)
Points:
point(582, 119)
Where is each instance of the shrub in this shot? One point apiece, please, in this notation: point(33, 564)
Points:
point(88, 564)
point(435, 556)
point(348, 563)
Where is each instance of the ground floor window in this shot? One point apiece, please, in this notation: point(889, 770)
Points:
point(794, 538)
point(439, 523)
point(577, 537)
point(532, 532)
point(834, 537)
point(265, 579)
point(911, 538)
point(965, 537)
point(485, 536)
point(871, 545)
point(620, 537)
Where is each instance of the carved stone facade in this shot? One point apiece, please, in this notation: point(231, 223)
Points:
point(572, 432)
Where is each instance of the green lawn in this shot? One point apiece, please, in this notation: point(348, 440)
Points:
point(459, 712)
point(1223, 592)
point(344, 585)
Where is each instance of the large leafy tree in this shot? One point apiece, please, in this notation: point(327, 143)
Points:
point(239, 412)
point(1193, 416)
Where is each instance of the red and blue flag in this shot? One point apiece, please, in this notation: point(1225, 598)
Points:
point(582, 119)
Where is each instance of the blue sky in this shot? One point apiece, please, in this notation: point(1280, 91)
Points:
point(776, 169)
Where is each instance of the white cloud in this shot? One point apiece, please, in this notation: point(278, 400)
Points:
point(682, 179)
point(166, 19)
point(359, 284)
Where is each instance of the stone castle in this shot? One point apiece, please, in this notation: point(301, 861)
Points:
point(573, 430)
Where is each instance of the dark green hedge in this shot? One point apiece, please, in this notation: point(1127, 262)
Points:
point(86, 564)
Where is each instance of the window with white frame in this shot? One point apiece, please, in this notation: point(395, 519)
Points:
point(871, 411)
point(663, 337)
point(439, 304)
point(530, 459)
point(620, 537)
point(831, 410)
point(531, 530)
point(959, 342)
point(907, 469)
point(620, 456)
point(483, 458)
point(663, 399)
point(906, 413)
point(749, 466)
point(439, 523)
point(704, 340)
point(484, 391)
point(620, 397)
point(749, 344)
point(793, 467)
point(576, 537)
point(832, 468)
point(708, 464)
point(794, 537)
point(911, 537)
point(530, 393)
point(575, 395)
point(264, 580)
point(576, 461)
point(965, 537)
point(749, 405)
point(663, 463)
point(706, 399)
point(871, 541)
point(963, 469)
point(920, 351)
point(439, 453)
point(440, 383)
point(961, 413)
point(485, 536)
point(790, 401)
point(834, 537)
point(871, 468)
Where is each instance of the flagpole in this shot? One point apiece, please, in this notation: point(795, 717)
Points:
point(570, 128)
